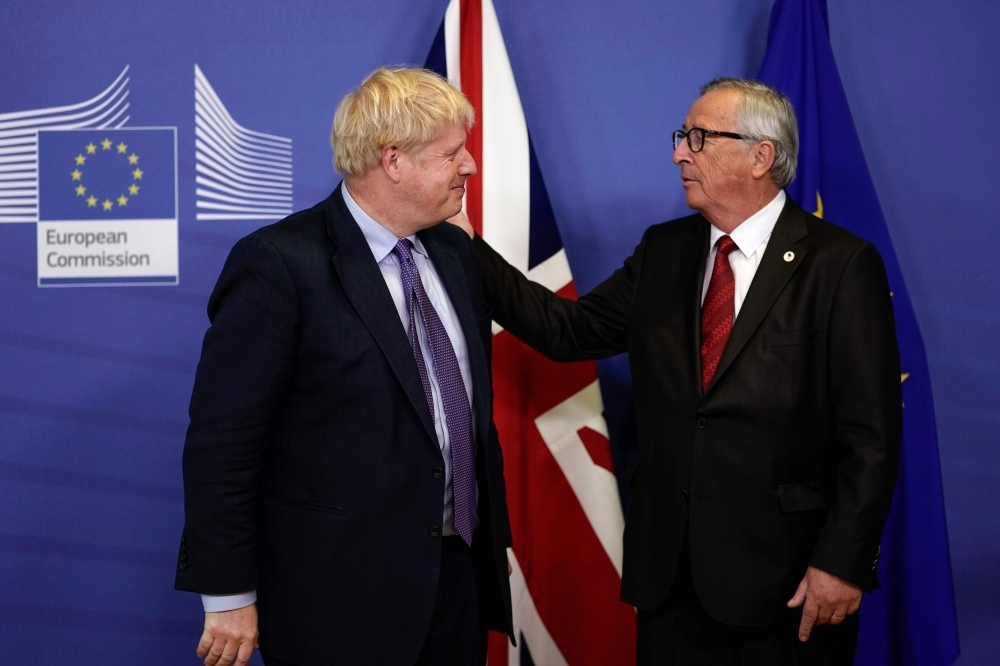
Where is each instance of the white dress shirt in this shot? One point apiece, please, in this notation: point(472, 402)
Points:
point(382, 243)
point(751, 239)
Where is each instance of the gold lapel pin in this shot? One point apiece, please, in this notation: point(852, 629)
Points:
point(789, 256)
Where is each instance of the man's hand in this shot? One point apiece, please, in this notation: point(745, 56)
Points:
point(824, 598)
point(229, 635)
point(462, 222)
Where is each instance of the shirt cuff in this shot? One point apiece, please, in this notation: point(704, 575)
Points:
point(217, 603)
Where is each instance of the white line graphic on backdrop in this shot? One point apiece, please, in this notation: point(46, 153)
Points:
point(242, 174)
point(19, 143)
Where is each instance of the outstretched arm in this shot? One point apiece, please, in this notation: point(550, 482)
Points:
point(594, 326)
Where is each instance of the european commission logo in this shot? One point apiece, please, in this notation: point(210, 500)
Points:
point(107, 207)
point(123, 174)
point(104, 196)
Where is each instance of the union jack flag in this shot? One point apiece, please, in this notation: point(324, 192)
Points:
point(565, 511)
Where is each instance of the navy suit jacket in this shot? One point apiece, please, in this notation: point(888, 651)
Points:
point(312, 472)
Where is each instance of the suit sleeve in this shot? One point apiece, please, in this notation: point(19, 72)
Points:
point(867, 406)
point(595, 326)
point(246, 363)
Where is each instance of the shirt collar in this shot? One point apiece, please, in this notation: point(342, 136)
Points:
point(380, 240)
point(755, 229)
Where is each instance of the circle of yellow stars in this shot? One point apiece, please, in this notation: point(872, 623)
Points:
point(120, 149)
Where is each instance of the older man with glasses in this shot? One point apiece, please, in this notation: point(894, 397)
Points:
point(766, 374)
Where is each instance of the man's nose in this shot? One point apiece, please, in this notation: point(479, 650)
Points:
point(468, 165)
point(682, 153)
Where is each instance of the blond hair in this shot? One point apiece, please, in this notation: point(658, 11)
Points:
point(405, 107)
point(766, 114)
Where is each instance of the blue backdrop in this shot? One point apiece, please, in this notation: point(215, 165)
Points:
point(94, 382)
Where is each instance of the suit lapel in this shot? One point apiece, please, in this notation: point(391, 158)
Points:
point(449, 269)
point(365, 287)
point(772, 275)
point(699, 250)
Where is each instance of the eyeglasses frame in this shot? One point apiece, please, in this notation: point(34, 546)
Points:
point(681, 134)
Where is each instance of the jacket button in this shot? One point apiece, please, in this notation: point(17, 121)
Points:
point(182, 566)
point(685, 495)
point(702, 422)
point(438, 472)
point(433, 531)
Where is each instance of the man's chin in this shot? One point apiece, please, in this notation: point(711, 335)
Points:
point(693, 200)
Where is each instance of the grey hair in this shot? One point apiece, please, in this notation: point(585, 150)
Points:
point(766, 114)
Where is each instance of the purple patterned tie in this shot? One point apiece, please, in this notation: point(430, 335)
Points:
point(457, 413)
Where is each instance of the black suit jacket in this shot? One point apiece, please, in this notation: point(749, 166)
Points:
point(312, 472)
point(789, 459)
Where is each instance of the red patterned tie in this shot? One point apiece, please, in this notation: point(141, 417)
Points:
point(717, 312)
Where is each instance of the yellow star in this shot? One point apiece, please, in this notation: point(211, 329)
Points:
point(902, 377)
point(76, 173)
point(137, 174)
point(133, 189)
point(106, 144)
point(122, 148)
point(91, 148)
point(106, 205)
point(122, 200)
point(91, 201)
point(80, 190)
point(80, 159)
point(133, 159)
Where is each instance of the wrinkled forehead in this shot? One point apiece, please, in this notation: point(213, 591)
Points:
point(717, 110)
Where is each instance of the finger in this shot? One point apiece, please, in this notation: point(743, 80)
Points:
point(853, 608)
point(823, 613)
point(809, 613)
point(838, 615)
point(799, 596)
point(244, 654)
point(204, 644)
point(215, 652)
point(229, 652)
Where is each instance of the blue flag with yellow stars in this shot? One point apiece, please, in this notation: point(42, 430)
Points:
point(911, 619)
point(120, 174)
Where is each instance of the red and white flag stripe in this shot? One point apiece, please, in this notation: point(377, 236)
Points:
point(566, 516)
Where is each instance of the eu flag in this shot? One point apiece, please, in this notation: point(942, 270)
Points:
point(102, 174)
point(911, 619)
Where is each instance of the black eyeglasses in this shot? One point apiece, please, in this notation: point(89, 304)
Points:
point(696, 137)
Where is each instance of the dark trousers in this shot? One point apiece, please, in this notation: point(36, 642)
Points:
point(681, 633)
point(456, 636)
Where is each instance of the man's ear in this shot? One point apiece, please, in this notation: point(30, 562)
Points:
point(390, 163)
point(763, 159)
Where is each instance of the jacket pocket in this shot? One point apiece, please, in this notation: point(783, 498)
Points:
point(304, 504)
point(789, 338)
point(804, 496)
